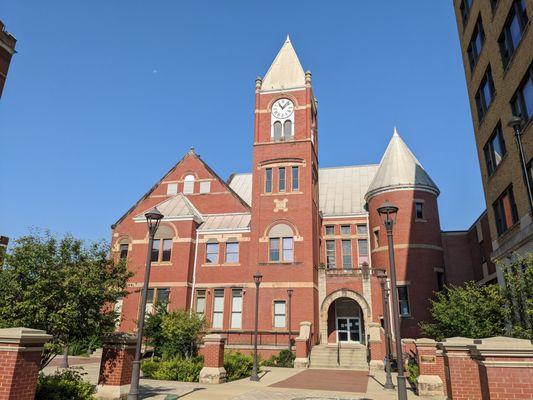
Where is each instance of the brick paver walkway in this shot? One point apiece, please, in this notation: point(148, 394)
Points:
point(327, 379)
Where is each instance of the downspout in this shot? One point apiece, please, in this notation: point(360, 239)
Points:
point(194, 273)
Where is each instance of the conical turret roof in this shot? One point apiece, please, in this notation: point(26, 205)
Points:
point(285, 71)
point(400, 169)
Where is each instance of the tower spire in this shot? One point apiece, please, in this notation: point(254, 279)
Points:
point(285, 71)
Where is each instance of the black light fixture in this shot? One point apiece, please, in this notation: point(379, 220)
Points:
point(388, 213)
point(517, 124)
point(257, 280)
point(153, 218)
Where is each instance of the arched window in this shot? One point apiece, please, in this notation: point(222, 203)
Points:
point(162, 245)
point(287, 129)
point(123, 248)
point(277, 131)
point(188, 184)
point(281, 243)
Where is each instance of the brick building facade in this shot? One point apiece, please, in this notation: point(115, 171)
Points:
point(313, 230)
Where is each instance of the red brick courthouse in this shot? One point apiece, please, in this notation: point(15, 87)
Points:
point(314, 230)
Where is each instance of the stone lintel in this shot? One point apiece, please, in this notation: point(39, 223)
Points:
point(120, 339)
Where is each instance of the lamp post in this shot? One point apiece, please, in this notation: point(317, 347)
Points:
point(388, 212)
point(382, 277)
point(257, 280)
point(517, 123)
point(289, 293)
point(153, 218)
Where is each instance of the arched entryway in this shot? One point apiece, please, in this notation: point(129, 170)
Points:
point(344, 316)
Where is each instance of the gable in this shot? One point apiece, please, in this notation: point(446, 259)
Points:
point(219, 199)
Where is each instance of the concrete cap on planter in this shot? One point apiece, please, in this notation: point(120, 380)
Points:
point(24, 336)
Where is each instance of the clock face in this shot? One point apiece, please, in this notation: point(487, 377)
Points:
point(282, 108)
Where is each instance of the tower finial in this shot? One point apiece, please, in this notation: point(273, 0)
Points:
point(288, 38)
point(395, 133)
point(191, 150)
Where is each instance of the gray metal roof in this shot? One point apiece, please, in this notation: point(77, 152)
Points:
point(177, 206)
point(342, 189)
point(399, 168)
point(226, 222)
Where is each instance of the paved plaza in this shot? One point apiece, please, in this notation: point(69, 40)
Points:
point(275, 384)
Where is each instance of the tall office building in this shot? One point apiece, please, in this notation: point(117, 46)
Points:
point(497, 49)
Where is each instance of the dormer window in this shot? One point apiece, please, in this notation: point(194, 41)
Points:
point(188, 184)
point(282, 120)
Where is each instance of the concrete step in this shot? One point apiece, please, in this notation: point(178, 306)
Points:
point(351, 356)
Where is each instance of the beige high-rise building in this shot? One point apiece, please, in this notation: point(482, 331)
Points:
point(497, 48)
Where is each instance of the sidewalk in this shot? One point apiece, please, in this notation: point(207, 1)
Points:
point(244, 389)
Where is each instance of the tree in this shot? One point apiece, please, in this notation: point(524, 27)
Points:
point(518, 292)
point(173, 333)
point(470, 311)
point(62, 286)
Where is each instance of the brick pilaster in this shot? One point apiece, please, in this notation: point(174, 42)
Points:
point(213, 352)
point(116, 365)
point(20, 360)
point(431, 379)
point(461, 371)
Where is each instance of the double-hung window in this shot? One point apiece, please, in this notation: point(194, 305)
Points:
point(419, 210)
point(200, 302)
point(494, 150)
point(211, 254)
point(236, 308)
point(403, 300)
point(268, 180)
point(279, 314)
point(218, 309)
point(232, 252)
point(123, 249)
point(161, 250)
point(513, 30)
point(485, 94)
point(281, 179)
point(505, 211)
point(362, 229)
point(347, 254)
point(522, 101)
point(476, 44)
point(330, 253)
point(281, 249)
point(295, 178)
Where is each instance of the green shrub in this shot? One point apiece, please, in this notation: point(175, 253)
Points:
point(175, 369)
point(237, 365)
point(148, 368)
point(284, 359)
point(414, 372)
point(66, 384)
point(180, 331)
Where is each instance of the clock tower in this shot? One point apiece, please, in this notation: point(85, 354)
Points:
point(285, 217)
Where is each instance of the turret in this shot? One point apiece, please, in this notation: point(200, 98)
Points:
point(402, 180)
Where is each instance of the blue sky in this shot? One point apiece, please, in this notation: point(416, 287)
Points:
point(104, 97)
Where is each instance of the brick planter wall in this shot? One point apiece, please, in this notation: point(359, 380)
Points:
point(20, 360)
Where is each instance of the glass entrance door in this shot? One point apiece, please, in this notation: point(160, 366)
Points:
point(348, 329)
